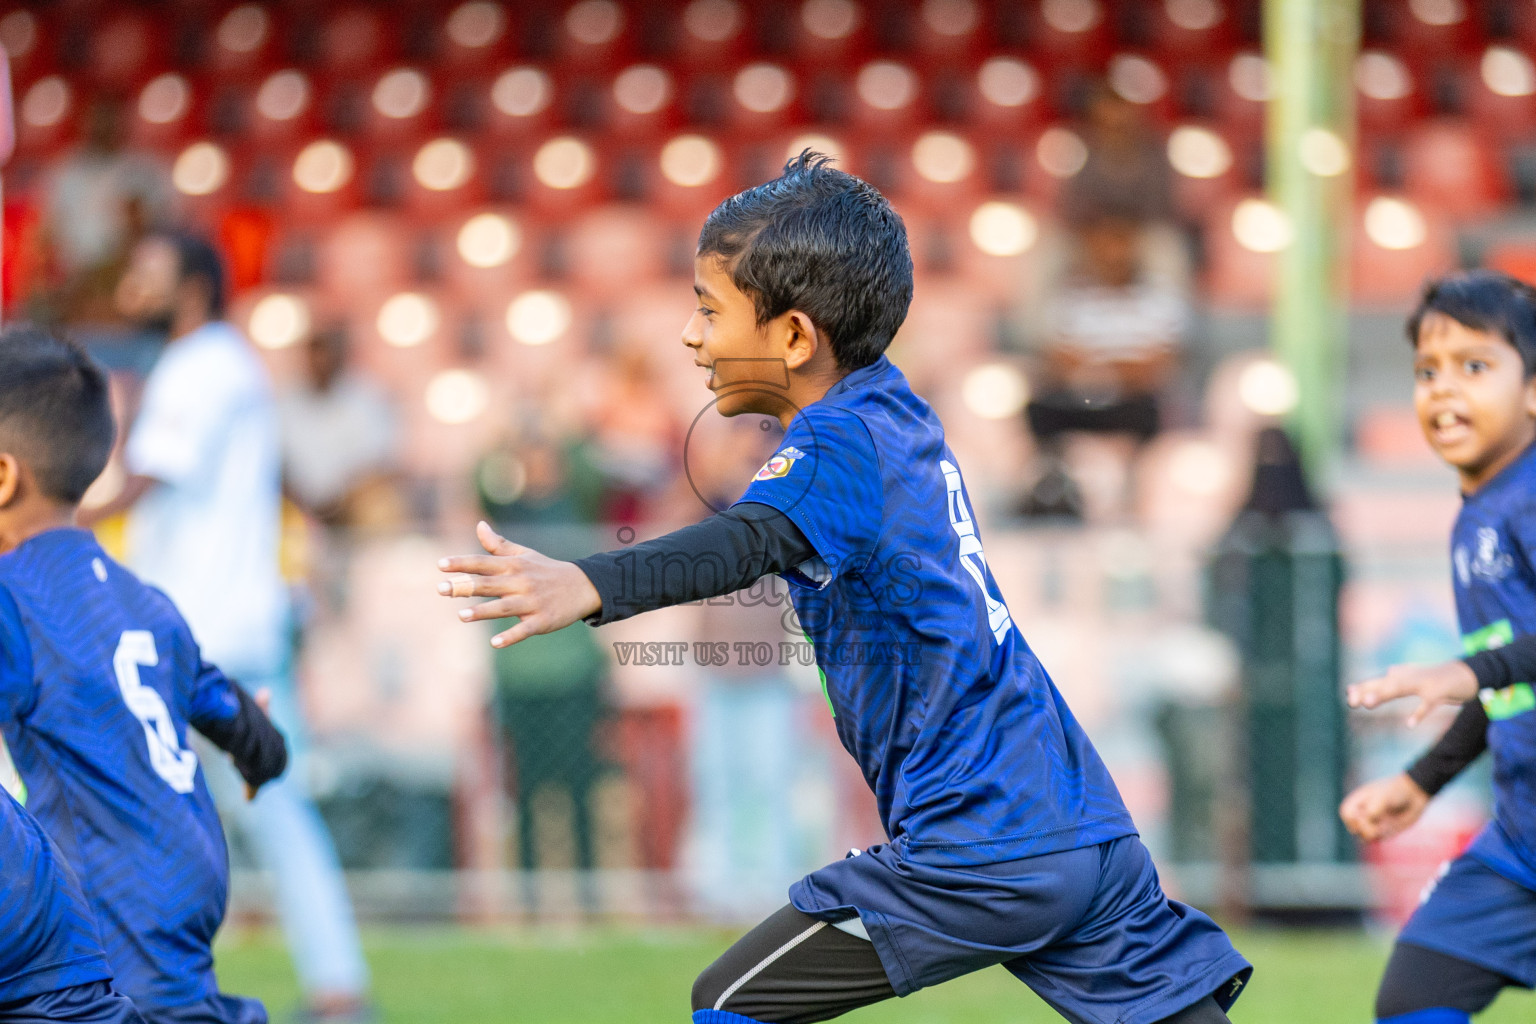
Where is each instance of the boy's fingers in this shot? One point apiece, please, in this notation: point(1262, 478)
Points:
point(494, 542)
point(1421, 712)
point(478, 586)
point(502, 608)
point(479, 565)
point(264, 698)
point(506, 638)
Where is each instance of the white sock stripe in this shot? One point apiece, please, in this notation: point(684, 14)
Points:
point(754, 972)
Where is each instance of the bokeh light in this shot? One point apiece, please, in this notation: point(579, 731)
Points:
point(690, 161)
point(323, 166)
point(1197, 152)
point(538, 317)
point(943, 157)
point(1323, 153)
point(713, 21)
point(1268, 388)
point(1007, 82)
point(1003, 229)
point(1200, 469)
point(951, 17)
point(1261, 226)
point(283, 96)
point(1248, 75)
point(489, 240)
point(1136, 79)
point(1507, 72)
point(831, 19)
point(522, 92)
point(442, 165)
point(165, 98)
point(886, 85)
point(564, 163)
point(278, 320)
point(476, 24)
point(243, 29)
point(457, 396)
point(46, 103)
point(642, 89)
point(995, 391)
point(1060, 152)
point(595, 22)
point(763, 88)
point(408, 319)
point(201, 169)
point(402, 93)
point(1381, 76)
point(1193, 15)
point(1438, 12)
point(1071, 16)
point(1394, 223)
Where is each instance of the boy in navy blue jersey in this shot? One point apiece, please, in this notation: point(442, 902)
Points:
point(1474, 336)
point(1008, 842)
point(51, 963)
point(99, 681)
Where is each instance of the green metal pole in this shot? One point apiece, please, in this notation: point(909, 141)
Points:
point(1311, 47)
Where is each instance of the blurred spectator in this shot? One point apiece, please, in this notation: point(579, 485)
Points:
point(1126, 166)
point(550, 690)
point(1107, 344)
point(102, 199)
point(637, 439)
point(340, 436)
point(203, 498)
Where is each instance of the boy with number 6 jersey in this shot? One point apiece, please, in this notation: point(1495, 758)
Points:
point(100, 681)
point(1008, 841)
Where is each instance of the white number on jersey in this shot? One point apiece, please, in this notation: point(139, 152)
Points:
point(971, 555)
point(178, 767)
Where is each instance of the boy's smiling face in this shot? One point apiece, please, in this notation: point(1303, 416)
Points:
point(1475, 405)
point(750, 367)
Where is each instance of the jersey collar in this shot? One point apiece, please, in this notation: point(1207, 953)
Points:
point(1523, 467)
point(862, 376)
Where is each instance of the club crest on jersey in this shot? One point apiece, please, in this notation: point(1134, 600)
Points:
point(1489, 563)
point(780, 464)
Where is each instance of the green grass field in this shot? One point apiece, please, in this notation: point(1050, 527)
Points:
point(436, 975)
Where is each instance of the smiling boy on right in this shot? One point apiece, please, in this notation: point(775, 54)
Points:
point(1474, 338)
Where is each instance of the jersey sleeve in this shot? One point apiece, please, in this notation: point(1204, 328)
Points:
point(826, 479)
point(18, 693)
point(184, 414)
point(230, 718)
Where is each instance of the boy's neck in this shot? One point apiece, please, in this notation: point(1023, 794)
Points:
point(1472, 482)
point(17, 526)
point(807, 388)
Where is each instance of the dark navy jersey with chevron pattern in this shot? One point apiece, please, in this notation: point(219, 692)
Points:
point(971, 752)
point(1493, 569)
point(48, 939)
point(99, 680)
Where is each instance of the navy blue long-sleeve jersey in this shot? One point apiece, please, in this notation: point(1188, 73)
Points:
point(48, 939)
point(99, 680)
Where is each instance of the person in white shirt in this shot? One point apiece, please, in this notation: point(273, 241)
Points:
point(203, 498)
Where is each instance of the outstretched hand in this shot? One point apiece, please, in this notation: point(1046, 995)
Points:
point(1384, 808)
point(544, 594)
point(1450, 683)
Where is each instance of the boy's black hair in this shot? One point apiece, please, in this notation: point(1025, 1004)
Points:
point(821, 241)
point(197, 257)
point(55, 411)
point(1483, 300)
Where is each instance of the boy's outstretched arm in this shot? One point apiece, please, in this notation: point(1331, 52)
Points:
point(719, 555)
point(1452, 682)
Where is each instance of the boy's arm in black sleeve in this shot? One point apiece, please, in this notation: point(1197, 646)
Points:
point(719, 555)
point(236, 724)
point(1462, 744)
point(1515, 662)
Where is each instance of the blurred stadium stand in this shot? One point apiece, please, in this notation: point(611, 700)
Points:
point(500, 200)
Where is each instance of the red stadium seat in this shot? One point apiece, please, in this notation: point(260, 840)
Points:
point(688, 175)
point(1071, 33)
point(1181, 28)
point(168, 111)
point(830, 34)
point(446, 177)
point(611, 249)
point(765, 97)
point(1500, 91)
point(521, 101)
point(476, 35)
point(1390, 92)
point(284, 105)
point(563, 174)
point(245, 39)
point(1448, 166)
point(1435, 28)
point(486, 250)
point(597, 34)
point(1397, 246)
point(402, 104)
point(1240, 275)
point(994, 243)
point(1005, 92)
point(357, 40)
point(642, 100)
point(713, 35)
point(1516, 257)
point(886, 96)
point(125, 49)
point(365, 253)
point(49, 114)
point(949, 29)
point(30, 42)
point(1241, 85)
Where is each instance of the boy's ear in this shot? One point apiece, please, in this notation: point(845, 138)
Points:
point(10, 479)
point(801, 339)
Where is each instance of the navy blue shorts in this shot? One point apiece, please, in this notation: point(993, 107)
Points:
point(1475, 914)
point(95, 1003)
point(1090, 931)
